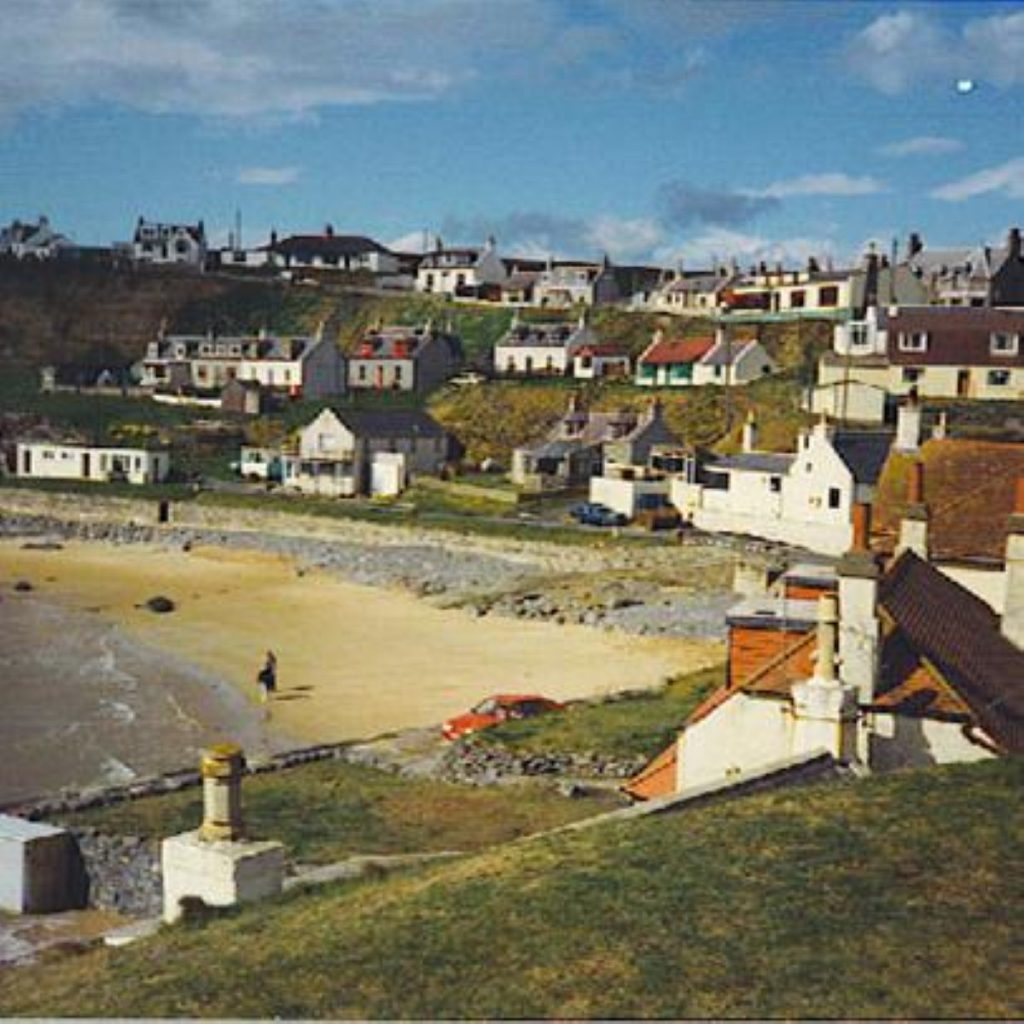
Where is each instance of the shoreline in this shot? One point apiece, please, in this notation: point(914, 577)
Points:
point(355, 660)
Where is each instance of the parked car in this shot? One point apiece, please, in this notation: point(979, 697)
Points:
point(468, 378)
point(498, 709)
point(593, 513)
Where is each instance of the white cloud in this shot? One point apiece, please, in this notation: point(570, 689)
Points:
point(1007, 178)
point(623, 238)
point(830, 184)
point(412, 241)
point(267, 176)
point(719, 245)
point(907, 47)
point(250, 58)
point(921, 145)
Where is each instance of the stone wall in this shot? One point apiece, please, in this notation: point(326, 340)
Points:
point(123, 872)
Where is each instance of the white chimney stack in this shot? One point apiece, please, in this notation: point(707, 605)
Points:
point(859, 628)
point(908, 425)
point(1013, 606)
point(914, 524)
point(750, 432)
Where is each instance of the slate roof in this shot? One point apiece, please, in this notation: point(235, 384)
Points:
point(389, 422)
point(863, 452)
point(542, 335)
point(327, 245)
point(758, 462)
point(959, 634)
point(726, 355)
point(673, 351)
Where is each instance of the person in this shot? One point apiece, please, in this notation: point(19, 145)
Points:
point(267, 677)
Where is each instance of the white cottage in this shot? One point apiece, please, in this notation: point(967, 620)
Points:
point(48, 460)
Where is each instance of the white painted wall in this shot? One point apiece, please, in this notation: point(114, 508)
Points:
point(531, 359)
point(44, 461)
point(621, 495)
point(988, 584)
point(899, 741)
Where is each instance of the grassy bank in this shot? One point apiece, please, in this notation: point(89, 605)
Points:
point(330, 810)
point(895, 897)
point(636, 725)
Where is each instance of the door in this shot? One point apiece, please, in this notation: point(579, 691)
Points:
point(86, 465)
point(963, 383)
point(26, 465)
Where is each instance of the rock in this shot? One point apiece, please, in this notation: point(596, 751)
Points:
point(23, 586)
point(160, 604)
point(571, 790)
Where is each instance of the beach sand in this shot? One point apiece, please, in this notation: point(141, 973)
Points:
point(353, 661)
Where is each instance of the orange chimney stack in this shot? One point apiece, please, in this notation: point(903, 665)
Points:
point(861, 526)
point(915, 484)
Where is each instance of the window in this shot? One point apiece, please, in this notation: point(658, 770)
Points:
point(398, 372)
point(362, 371)
point(858, 335)
point(913, 341)
point(797, 300)
point(1004, 344)
point(828, 296)
point(775, 484)
point(834, 497)
point(998, 378)
point(911, 374)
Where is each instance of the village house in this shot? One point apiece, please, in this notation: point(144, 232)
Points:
point(805, 498)
point(530, 348)
point(689, 293)
point(733, 362)
point(970, 275)
point(778, 294)
point(578, 445)
point(669, 362)
point(346, 452)
point(32, 241)
point(598, 359)
point(329, 251)
point(418, 359)
point(446, 271)
point(564, 284)
point(294, 367)
point(51, 460)
point(903, 668)
point(633, 489)
point(162, 244)
point(937, 352)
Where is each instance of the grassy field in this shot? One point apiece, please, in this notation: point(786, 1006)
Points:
point(638, 725)
point(899, 896)
point(330, 810)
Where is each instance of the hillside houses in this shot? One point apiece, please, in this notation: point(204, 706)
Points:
point(938, 352)
point(449, 270)
point(578, 445)
point(22, 240)
point(331, 251)
point(399, 358)
point(306, 367)
point(698, 361)
point(901, 667)
point(54, 460)
point(164, 244)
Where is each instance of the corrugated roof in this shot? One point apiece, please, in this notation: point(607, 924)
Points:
point(673, 351)
point(389, 422)
point(723, 354)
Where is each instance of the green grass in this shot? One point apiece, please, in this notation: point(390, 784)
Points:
point(896, 897)
point(330, 810)
point(639, 725)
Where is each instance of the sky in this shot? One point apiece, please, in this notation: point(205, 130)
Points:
point(668, 131)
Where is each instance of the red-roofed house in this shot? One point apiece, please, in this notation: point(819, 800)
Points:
point(669, 362)
point(600, 359)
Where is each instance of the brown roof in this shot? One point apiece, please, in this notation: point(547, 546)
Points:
point(968, 488)
point(676, 350)
point(957, 633)
point(658, 778)
point(957, 335)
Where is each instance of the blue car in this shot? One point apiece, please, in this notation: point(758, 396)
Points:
point(593, 513)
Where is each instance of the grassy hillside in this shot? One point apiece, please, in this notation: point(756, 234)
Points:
point(896, 897)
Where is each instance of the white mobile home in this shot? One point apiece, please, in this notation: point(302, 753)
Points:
point(47, 460)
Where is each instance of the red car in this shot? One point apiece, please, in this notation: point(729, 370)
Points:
point(496, 710)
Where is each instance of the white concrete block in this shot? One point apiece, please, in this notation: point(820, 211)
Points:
point(37, 867)
point(221, 874)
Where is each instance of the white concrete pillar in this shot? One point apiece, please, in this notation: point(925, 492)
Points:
point(908, 426)
point(1013, 606)
point(914, 523)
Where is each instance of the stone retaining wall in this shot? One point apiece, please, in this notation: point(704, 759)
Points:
point(123, 871)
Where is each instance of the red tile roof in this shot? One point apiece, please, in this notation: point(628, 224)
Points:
point(657, 779)
point(676, 350)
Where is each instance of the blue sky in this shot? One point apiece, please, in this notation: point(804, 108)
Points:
point(660, 130)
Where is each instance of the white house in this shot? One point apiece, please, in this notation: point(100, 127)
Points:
point(330, 251)
point(447, 271)
point(48, 460)
point(600, 359)
point(296, 366)
point(157, 243)
point(540, 349)
point(905, 668)
point(804, 497)
point(32, 241)
point(733, 362)
point(345, 452)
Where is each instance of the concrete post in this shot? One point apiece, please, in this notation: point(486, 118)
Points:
point(221, 768)
point(1013, 607)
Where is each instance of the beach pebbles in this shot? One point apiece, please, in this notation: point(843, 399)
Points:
point(160, 604)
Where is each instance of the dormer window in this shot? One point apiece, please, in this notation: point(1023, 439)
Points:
point(913, 341)
point(1003, 344)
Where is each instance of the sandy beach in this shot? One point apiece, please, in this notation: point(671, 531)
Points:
point(353, 660)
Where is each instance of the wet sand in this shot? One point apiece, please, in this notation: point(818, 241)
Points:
point(353, 661)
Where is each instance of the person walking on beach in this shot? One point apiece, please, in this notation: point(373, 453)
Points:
point(267, 677)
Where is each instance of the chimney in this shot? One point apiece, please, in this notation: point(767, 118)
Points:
point(859, 628)
point(914, 524)
point(1013, 605)
point(750, 432)
point(908, 424)
point(915, 244)
point(1013, 244)
point(827, 635)
point(329, 230)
